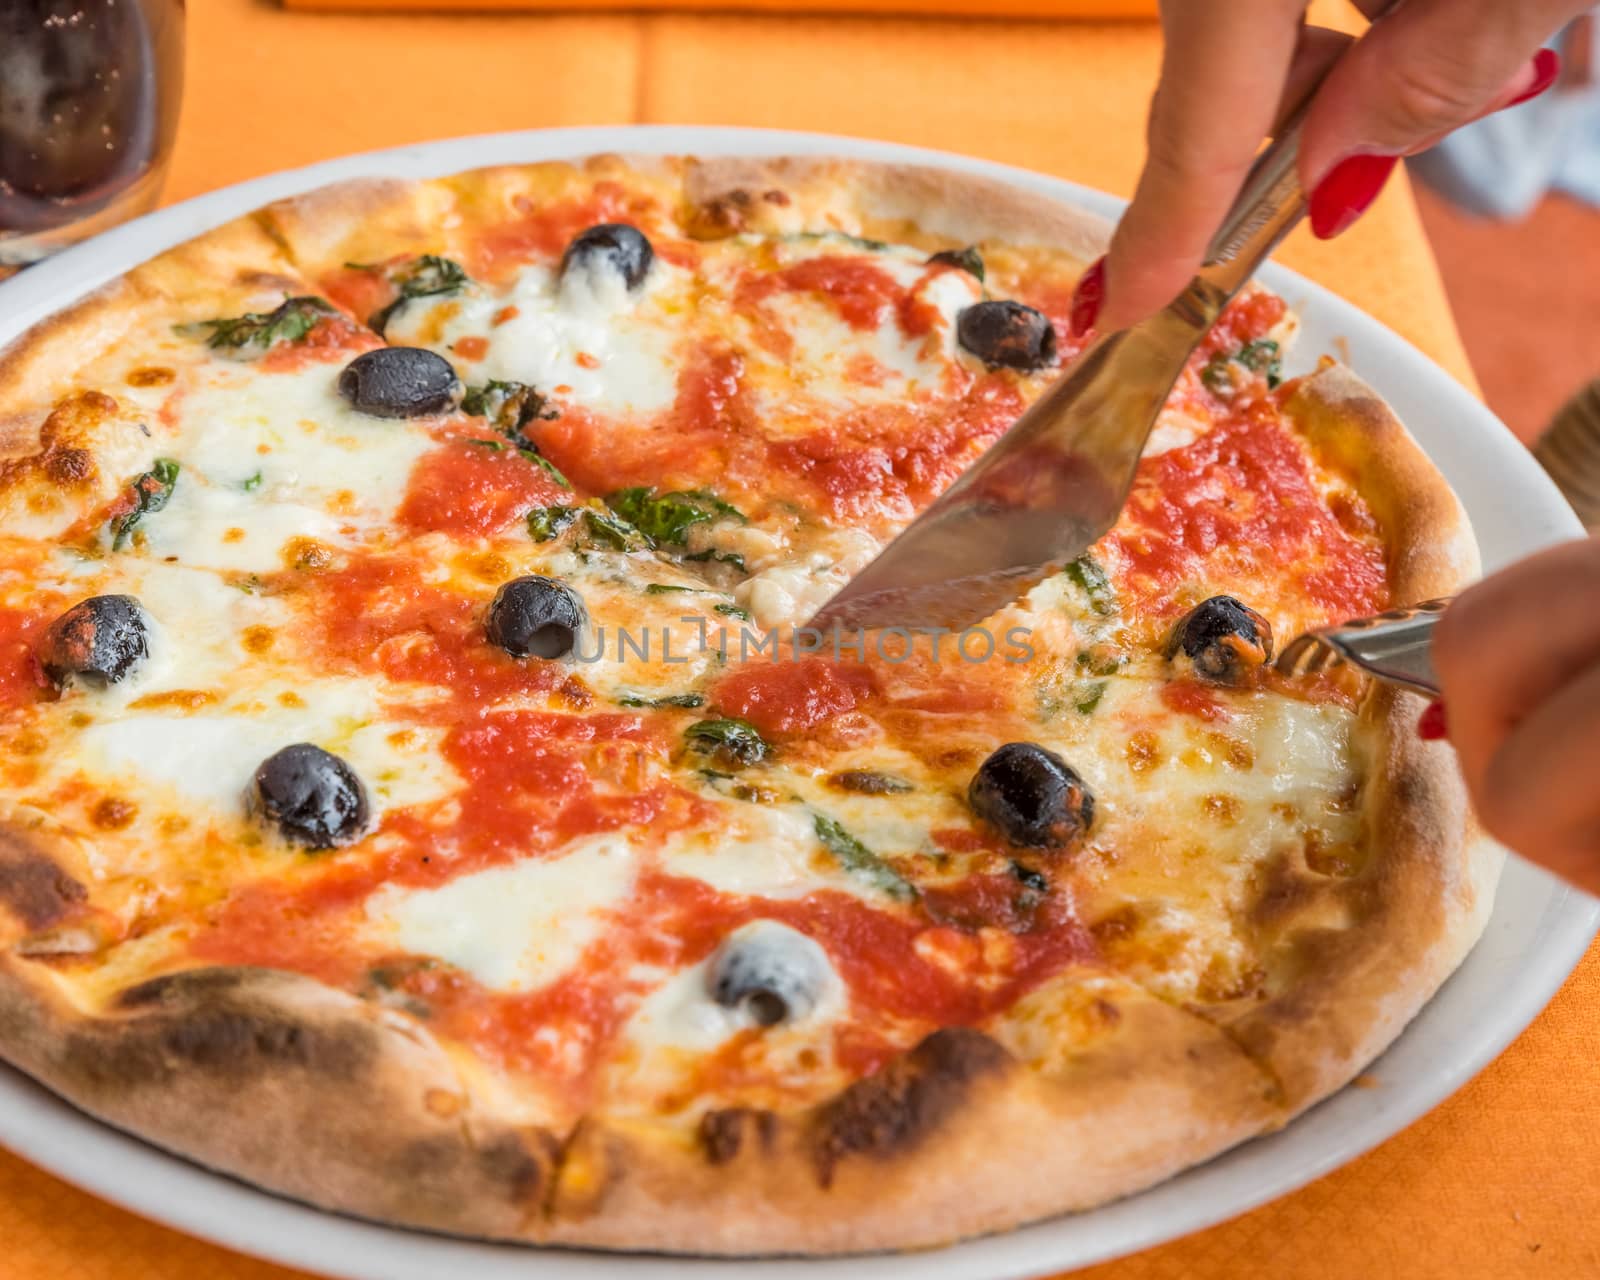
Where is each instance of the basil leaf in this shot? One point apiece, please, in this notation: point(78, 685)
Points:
point(968, 260)
point(841, 237)
point(1087, 575)
point(671, 700)
point(252, 483)
point(731, 611)
point(510, 407)
point(720, 557)
point(1098, 660)
point(869, 782)
point(289, 322)
point(544, 464)
point(666, 588)
point(607, 532)
point(423, 277)
point(151, 492)
point(666, 518)
point(859, 860)
point(1262, 356)
point(1214, 374)
point(1090, 698)
point(729, 739)
point(545, 523)
point(494, 445)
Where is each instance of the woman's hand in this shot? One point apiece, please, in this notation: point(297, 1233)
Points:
point(1427, 68)
point(1518, 656)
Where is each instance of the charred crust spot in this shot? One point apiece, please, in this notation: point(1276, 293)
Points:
point(69, 465)
point(905, 1103)
point(228, 1043)
point(86, 409)
point(174, 988)
point(507, 1160)
point(151, 376)
point(722, 1133)
point(113, 813)
point(722, 216)
point(36, 890)
point(777, 197)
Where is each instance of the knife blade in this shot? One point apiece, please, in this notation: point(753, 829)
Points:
point(1056, 481)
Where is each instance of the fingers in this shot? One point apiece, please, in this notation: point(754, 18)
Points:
point(1429, 67)
point(1538, 794)
point(1512, 640)
point(1223, 69)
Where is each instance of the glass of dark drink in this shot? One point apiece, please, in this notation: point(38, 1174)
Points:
point(89, 93)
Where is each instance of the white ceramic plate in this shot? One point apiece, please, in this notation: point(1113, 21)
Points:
point(1537, 933)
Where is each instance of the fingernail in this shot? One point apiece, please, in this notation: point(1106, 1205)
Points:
point(1432, 724)
point(1347, 192)
point(1087, 297)
point(1546, 67)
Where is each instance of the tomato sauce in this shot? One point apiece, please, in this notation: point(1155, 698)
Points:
point(789, 696)
point(331, 338)
point(1241, 499)
point(1244, 320)
point(859, 289)
point(22, 679)
point(894, 459)
point(363, 290)
point(1190, 697)
point(705, 433)
point(545, 229)
point(474, 489)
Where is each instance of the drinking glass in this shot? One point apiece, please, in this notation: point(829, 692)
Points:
point(89, 93)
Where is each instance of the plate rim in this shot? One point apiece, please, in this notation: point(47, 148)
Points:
point(68, 1143)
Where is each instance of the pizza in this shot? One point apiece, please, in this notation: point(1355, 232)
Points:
point(416, 797)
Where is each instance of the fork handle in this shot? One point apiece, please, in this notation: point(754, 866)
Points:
point(1394, 646)
point(1268, 206)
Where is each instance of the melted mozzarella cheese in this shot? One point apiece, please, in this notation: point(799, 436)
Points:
point(1202, 806)
point(791, 591)
point(517, 927)
point(835, 365)
point(296, 432)
point(210, 755)
point(762, 851)
point(665, 1043)
point(583, 335)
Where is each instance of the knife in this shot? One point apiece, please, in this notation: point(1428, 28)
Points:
point(1056, 481)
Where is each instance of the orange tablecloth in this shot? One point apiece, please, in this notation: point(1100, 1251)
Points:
point(1504, 1179)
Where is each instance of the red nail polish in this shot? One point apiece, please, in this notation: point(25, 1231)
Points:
point(1347, 191)
point(1087, 297)
point(1432, 724)
point(1546, 67)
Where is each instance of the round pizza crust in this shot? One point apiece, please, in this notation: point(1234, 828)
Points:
point(316, 1095)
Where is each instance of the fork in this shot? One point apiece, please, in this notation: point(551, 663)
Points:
point(1392, 646)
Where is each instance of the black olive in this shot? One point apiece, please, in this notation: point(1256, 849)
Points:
point(536, 617)
point(99, 640)
point(1007, 334)
point(621, 248)
point(1222, 637)
point(774, 973)
point(1032, 795)
point(400, 382)
point(313, 797)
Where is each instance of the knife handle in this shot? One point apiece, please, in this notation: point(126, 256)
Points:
point(1269, 204)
